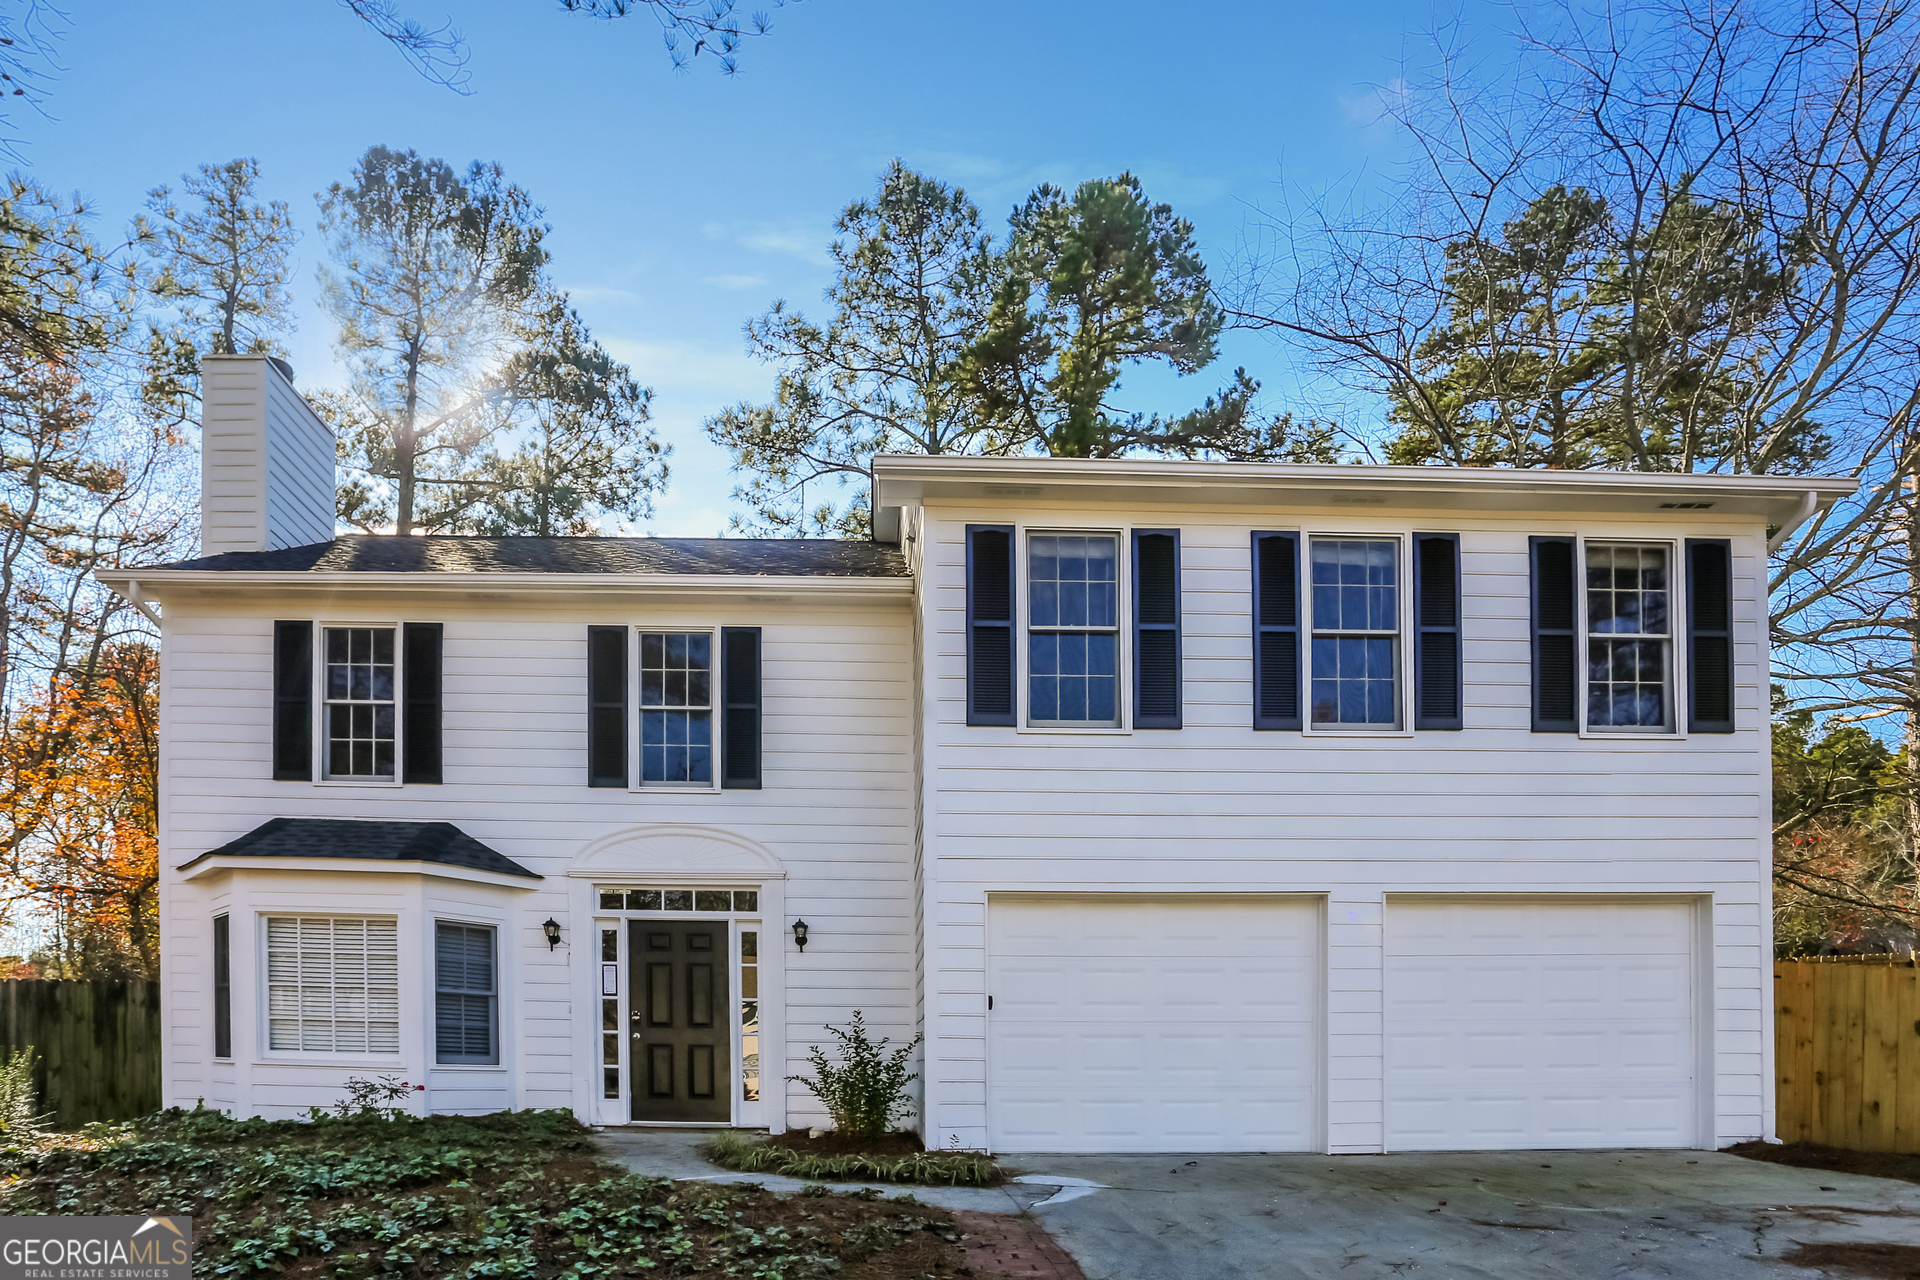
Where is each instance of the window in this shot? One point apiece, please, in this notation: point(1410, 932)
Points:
point(612, 899)
point(465, 999)
point(222, 990)
point(1355, 655)
point(609, 1012)
point(1073, 629)
point(333, 985)
point(676, 708)
point(359, 694)
point(749, 1016)
point(1629, 646)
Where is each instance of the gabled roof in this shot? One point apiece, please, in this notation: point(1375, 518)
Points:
point(441, 554)
point(441, 843)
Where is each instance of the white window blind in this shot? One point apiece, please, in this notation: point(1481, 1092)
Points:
point(333, 984)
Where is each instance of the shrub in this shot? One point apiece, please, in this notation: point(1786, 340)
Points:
point(867, 1092)
point(927, 1168)
point(20, 1116)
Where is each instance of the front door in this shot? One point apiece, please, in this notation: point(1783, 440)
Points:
point(677, 1019)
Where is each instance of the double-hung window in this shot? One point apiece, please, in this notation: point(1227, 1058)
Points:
point(1073, 630)
point(1354, 604)
point(359, 691)
point(466, 1000)
point(676, 708)
point(1629, 638)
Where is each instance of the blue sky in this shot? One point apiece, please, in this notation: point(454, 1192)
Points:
point(683, 203)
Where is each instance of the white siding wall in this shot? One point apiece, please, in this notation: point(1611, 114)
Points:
point(836, 808)
point(266, 460)
point(1218, 806)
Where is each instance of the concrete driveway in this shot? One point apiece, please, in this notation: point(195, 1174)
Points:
point(1554, 1215)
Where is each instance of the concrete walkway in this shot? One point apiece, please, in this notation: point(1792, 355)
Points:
point(1539, 1215)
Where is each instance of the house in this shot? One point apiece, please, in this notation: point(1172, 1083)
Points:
point(1181, 806)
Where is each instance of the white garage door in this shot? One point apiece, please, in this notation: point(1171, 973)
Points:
point(1523, 1024)
point(1152, 1023)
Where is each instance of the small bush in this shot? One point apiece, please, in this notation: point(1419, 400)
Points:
point(20, 1115)
point(867, 1092)
point(923, 1168)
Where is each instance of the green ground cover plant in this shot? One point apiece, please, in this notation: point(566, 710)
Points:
point(925, 1168)
point(514, 1194)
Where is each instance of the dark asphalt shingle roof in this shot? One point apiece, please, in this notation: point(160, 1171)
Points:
point(385, 841)
point(765, 557)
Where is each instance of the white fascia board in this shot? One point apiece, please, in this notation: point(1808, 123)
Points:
point(901, 481)
point(156, 583)
point(222, 864)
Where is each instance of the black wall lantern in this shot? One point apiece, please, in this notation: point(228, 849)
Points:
point(552, 929)
point(800, 934)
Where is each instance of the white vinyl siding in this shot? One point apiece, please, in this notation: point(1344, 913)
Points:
point(333, 985)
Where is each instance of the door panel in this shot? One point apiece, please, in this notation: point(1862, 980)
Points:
point(681, 1039)
point(1539, 1024)
point(1173, 1023)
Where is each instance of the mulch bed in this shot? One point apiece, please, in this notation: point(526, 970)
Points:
point(1003, 1246)
point(835, 1144)
point(1869, 1261)
point(1811, 1155)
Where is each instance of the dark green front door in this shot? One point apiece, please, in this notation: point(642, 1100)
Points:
point(677, 1015)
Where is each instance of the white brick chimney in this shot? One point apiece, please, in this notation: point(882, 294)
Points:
point(266, 459)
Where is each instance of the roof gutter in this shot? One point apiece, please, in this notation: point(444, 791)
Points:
point(752, 586)
point(1809, 503)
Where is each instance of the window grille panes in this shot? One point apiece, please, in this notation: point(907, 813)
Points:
point(714, 900)
point(1073, 619)
point(676, 707)
point(1355, 598)
point(222, 989)
point(1629, 651)
point(359, 697)
point(333, 985)
point(465, 1013)
point(749, 1016)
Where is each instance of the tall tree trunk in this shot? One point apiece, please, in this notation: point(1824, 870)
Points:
point(1912, 755)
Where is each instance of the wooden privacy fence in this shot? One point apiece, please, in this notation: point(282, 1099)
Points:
point(97, 1045)
point(1847, 1052)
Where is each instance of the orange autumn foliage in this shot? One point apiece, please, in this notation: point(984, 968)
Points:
point(78, 790)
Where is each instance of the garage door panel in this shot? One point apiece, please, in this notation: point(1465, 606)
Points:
point(1171, 1024)
point(1506, 1026)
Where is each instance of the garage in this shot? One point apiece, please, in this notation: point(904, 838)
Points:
point(1135, 1023)
point(1540, 1024)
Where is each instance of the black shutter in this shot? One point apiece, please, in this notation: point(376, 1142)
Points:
point(1156, 629)
point(222, 990)
point(990, 624)
point(1709, 635)
point(1436, 637)
point(606, 706)
point(420, 651)
point(293, 701)
point(1556, 681)
point(1276, 631)
point(740, 699)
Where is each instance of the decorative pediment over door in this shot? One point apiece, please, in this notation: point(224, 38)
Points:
point(678, 854)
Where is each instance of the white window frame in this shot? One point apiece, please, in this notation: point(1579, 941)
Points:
point(715, 709)
point(321, 777)
point(1123, 628)
point(619, 1111)
point(1402, 645)
point(263, 1003)
point(1677, 593)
